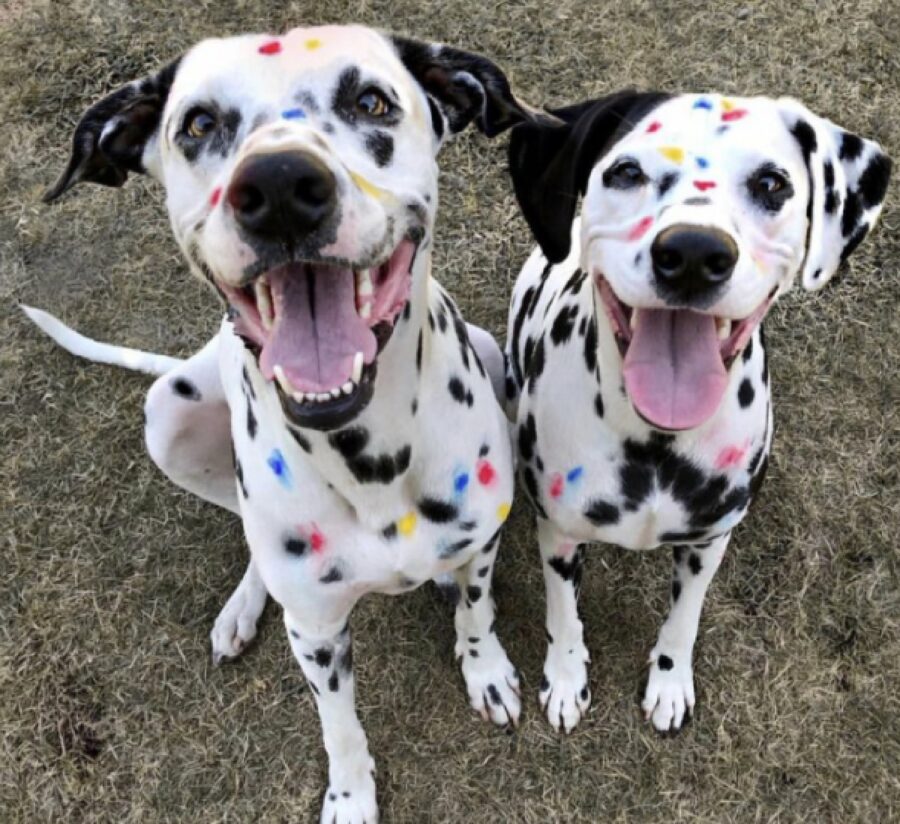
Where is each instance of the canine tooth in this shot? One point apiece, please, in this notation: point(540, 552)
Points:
point(298, 396)
point(336, 392)
point(632, 321)
point(347, 388)
point(356, 374)
point(365, 311)
point(364, 283)
point(264, 303)
point(723, 328)
point(282, 379)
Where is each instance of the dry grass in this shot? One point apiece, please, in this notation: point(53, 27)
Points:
point(111, 577)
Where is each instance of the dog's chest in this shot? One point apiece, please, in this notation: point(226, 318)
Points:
point(592, 466)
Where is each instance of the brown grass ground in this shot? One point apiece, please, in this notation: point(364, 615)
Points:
point(111, 577)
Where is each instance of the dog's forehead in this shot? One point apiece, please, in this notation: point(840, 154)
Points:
point(710, 124)
point(269, 66)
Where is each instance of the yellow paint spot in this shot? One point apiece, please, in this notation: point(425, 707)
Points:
point(313, 43)
point(407, 524)
point(503, 512)
point(369, 188)
point(673, 153)
point(727, 104)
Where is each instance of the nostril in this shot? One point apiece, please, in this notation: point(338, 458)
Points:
point(313, 189)
point(246, 199)
point(668, 261)
point(719, 265)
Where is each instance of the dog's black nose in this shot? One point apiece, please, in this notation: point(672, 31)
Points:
point(282, 195)
point(691, 260)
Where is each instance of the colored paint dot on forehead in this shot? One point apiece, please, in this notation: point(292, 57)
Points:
point(486, 472)
point(313, 43)
point(461, 481)
point(736, 114)
point(703, 185)
point(279, 467)
point(655, 126)
point(574, 474)
point(293, 114)
point(703, 103)
point(503, 512)
point(317, 540)
point(673, 153)
point(215, 196)
point(702, 162)
point(272, 47)
point(407, 524)
point(556, 485)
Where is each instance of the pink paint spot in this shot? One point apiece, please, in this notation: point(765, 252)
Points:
point(640, 228)
point(565, 549)
point(734, 114)
point(316, 540)
point(215, 197)
point(272, 47)
point(556, 485)
point(486, 472)
point(731, 456)
point(655, 126)
point(703, 185)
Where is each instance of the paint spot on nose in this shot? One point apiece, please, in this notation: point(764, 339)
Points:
point(272, 47)
point(702, 163)
point(703, 185)
point(215, 197)
point(640, 228)
point(703, 103)
point(313, 43)
point(673, 153)
point(655, 126)
point(294, 114)
point(737, 114)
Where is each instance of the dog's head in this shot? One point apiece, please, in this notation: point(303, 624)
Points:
point(698, 210)
point(300, 181)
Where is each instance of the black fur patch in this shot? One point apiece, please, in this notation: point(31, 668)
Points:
point(601, 513)
point(564, 323)
point(664, 662)
point(381, 146)
point(528, 438)
point(185, 389)
point(438, 511)
point(873, 182)
point(459, 392)
point(746, 393)
point(332, 576)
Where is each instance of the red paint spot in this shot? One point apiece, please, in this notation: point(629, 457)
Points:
point(655, 126)
point(272, 47)
point(486, 472)
point(215, 196)
point(640, 228)
point(317, 540)
point(734, 114)
point(731, 456)
point(703, 185)
point(556, 485)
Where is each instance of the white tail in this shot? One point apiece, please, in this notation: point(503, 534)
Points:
point(78, 344)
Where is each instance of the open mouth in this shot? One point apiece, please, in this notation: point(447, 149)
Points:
point(676, 360)
point(318, 329)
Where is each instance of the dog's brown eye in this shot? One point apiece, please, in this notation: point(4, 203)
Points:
point(770, 187)
point(770, 183)
point(199, 123)
point(626, 174)
point(373, 103)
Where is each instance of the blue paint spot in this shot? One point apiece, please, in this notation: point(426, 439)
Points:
point(279, 466)
point(460, 482)
point(703, 103)
point(702, 162)
point(294, 114)
point(722, 130)
point(574, 474)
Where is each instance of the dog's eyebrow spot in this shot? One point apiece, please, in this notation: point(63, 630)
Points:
point(667, 181)
point(697, 201)
point(381, 146)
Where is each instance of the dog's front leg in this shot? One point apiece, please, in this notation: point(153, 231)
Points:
point(492, 682)
point(564, 693)
point(669, 697)
point(327, 663)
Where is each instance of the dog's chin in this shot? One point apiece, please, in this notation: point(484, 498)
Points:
point(317, 328)
point(676, 361)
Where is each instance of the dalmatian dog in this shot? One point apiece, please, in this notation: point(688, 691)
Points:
point(636, 364)
point(370, 451)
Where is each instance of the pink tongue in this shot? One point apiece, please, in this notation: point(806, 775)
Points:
point(317, 331)
point(673, 370)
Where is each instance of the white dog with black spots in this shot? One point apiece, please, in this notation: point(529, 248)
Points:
point(636, 366)
point(345, 411)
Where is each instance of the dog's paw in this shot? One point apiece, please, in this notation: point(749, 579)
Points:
point(564, 694)
point(235, 627)
point(354, 804)
point(492, 682)
point(669, 696)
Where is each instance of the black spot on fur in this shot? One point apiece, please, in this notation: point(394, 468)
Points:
point(601, 513)
point(531, 489)
point(349, 442)
point(323, 656)
point(483, 450)
point(438, 511)
point(301, 439)
point(528, 438)
point(419, 352)
point(239, 474)
point(454, 548)
point(570, 570)
point(598, 404)
point(667, 181)
point(251, 420)
point(185, 389)
point(383, 468)
point(473, 593)
point(536, 365)
point(676, 589)
point(390, 532)
point(459, 392)
point(664, 662)
point(851, 214)
point(332, 576)
point(561, 331)
point(296, 546)
point(858, 236)
point(334, 682)
point(806, 137)
point(748, 351)
point(494, 695)
point(695, 563)
point(851, 146)
point(590, 346)
point(746, 393)
point(381, 146)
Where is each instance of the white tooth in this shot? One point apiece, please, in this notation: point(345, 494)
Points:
point(298, 396)
point(264, 302)
point(365, 311)
point(364, 283)
point(632, 321)
point(356, 374)
point(723, 328)
point(323, 396)
point(347, 388)
point(282, 379)
point(336, 392)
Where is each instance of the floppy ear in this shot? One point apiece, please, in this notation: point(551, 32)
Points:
point(550, 165)
point(848, 178)
point(112, 137)
point(463, 87)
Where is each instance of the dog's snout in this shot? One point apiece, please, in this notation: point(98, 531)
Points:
point(690, 260)
point(282, 195)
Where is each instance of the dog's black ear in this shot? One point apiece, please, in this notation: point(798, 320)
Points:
point(550, 165)
point(464, 87)
point(113, 135)
point(848, 179)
